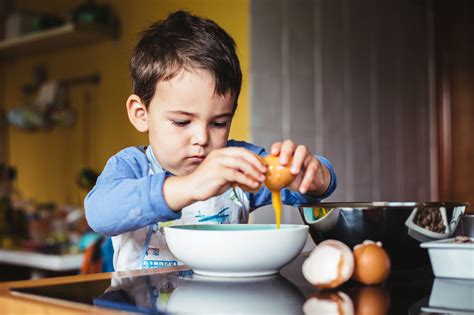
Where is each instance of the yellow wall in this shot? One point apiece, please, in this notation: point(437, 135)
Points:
point(48, 161)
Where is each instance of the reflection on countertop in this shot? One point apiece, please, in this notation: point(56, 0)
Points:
point(191, 293)
point(286, 293)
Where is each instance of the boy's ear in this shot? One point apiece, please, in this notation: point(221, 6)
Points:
point(137, 113)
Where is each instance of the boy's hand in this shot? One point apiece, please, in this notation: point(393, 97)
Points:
point(312, 177)
point(220, 170)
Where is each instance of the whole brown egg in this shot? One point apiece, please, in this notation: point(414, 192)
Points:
point(371, 263)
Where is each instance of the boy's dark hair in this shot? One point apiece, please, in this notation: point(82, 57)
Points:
point(184, 41)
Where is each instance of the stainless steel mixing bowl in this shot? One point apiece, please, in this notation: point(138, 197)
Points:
point(354, 222)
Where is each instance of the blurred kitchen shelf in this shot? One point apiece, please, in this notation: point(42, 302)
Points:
point(41, 261)
point(67, 35)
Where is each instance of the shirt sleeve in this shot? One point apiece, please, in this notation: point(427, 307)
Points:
point(264, 197)
point(125, 197)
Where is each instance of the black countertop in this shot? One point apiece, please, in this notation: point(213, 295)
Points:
point(405, 292)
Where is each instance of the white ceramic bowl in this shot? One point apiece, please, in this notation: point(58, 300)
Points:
point(236, 250)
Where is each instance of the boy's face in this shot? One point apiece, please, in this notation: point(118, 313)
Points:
point(186, 120)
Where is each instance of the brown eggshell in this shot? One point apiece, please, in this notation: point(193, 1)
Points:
point(371, 263)
point(277, 176)
point(370, 300)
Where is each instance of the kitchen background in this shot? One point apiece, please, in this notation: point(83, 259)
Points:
point(381, 88)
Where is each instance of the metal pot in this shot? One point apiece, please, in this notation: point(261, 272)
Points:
point(354, 222)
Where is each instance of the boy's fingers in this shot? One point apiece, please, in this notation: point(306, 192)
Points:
point(286, 152)
point(276, 147)
point(256, 160)
point(307, 179)
point(296, 183)
point(299, 157)
point(241, 165)
point(250, 157)
point(310, 177)
point(239, 178)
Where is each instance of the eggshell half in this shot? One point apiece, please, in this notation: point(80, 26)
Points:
point(329, 265)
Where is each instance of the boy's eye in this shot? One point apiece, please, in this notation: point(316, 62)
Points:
point(219, 124)
point(180, 123)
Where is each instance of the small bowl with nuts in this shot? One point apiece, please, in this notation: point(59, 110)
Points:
point(430, 222)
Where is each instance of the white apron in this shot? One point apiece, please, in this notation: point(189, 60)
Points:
point(230, 207)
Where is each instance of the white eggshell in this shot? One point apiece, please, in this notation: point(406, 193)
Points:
point(329, 265)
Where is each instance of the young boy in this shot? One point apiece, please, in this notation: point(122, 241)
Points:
point(186, 82)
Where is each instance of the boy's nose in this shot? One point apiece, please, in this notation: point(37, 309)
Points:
point(201, 136)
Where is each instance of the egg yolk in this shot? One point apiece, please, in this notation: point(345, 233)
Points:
point(276, 202)
point(277, 177)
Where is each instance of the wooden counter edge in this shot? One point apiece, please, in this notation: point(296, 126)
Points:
point(24, 303)
point(89, 277)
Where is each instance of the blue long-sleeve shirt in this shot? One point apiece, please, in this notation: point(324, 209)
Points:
point(126, 197)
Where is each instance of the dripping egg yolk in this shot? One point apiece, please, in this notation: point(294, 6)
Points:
point(277, 177)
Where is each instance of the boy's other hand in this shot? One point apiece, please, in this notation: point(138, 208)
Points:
point(312, 177)
point(220, 170)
